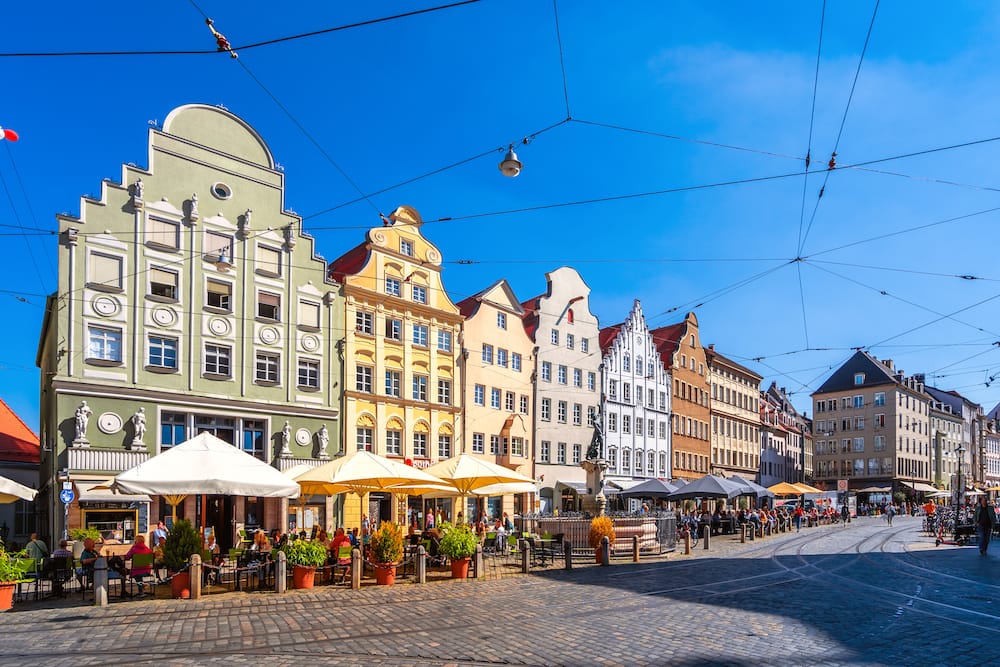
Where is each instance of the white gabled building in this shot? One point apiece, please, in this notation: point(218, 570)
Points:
point(635, 406)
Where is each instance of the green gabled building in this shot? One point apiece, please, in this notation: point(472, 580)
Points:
point(189, 300)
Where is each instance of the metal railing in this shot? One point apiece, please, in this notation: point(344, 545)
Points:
point(656, 532)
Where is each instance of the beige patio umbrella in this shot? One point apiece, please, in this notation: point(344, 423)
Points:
point(362, 472)
point(806, 488)
point(785, 489)
point(467, 473)
point(11, 491)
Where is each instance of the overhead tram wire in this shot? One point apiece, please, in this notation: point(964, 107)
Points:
point(27, 202)
point(27, 243)
point(902, 231)
point(911, 271)
point(812, 120)
point(433, 172)
point(906, 301)
point(934, 321)
point(241, 47)
point(562, 60)
point(840, 132)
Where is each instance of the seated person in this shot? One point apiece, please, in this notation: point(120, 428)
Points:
point(355, 538)
point(88, 557)
point(36, 548)
point(140, 573)
point(55, 567)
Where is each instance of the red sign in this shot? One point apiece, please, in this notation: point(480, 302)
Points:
point(842, 485)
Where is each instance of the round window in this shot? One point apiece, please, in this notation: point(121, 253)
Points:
point(221, 191)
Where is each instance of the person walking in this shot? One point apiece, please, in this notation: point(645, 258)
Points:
point(986, 519)
point(845, 513)
point(890, 512)
point(799, 513)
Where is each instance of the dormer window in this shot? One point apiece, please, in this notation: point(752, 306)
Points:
point(859, 378)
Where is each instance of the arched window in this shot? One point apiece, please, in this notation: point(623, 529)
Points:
point(626, 363)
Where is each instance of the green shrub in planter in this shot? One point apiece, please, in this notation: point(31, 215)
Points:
point(387, 543)
point(11, 569)
point(182, 541)
point(80, 534)
point(457, 541)
point(305, 553)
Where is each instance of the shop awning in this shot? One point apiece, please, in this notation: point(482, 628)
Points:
point(576, 487)
point(920, 486)
point(88, 494)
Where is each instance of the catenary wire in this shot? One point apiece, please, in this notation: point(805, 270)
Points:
point(241, 47)
point(812, 120)
point(562, 59)
point(840, 131)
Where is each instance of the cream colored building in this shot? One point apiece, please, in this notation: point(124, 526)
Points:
point(497, 363)
point(735, 407)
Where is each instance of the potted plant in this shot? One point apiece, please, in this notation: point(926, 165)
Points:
point(12, 570)
point(182, 541)
point(600, 527)
point(458, 543)
point(305, 557)
point(386, 551)
point(78, 535)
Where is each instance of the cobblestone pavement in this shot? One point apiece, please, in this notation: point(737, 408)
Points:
point(862, 594)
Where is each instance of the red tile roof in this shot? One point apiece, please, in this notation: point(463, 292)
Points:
point(531, 315)
point(349, 263)
point(18, 443)
point(607, 336)
point(667, 339)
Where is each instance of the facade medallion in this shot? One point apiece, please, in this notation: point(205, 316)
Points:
point(106, 306)
point(310, 343)
point(302, 436)
point(268, 335)
point(109, 423)
point(218, 326)
point(164, 316)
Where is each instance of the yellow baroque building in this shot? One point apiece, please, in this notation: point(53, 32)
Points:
point(400, 350)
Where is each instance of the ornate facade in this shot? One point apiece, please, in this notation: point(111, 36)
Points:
point(188, 300)
point(400, 351)
point(735, 416)
point(635, 401)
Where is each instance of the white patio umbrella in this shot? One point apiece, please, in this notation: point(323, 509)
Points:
point(205, 465)
point(11, 491)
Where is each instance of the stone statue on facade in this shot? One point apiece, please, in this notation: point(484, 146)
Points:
point(286, 439)
point(324, 441)
point(139, 430)
point(194, 207)
point(137, 189)
point(82, 420)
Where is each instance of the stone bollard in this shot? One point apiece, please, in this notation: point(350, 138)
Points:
point(605, 551)
point(743, 533)
point(195, 570)
point(525, 556)
point(421, 565)
point(568, 555)
point(635, 548)
point(480, 569)
point(687, 543)
point(101, 582)
point(281, 573)
point(708, 531)
point(356, 564)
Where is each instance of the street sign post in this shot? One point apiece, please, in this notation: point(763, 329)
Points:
point(67, 496)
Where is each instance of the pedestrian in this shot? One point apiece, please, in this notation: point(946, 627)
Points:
point(799, 513)
point(890, 512)
point(845, 513)
point(986, 519)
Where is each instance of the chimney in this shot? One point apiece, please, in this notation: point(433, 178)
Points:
point(888, 363)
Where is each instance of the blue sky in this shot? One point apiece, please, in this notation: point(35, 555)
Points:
point(394, 100)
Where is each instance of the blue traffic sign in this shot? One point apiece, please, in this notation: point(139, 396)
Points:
point(67, 496)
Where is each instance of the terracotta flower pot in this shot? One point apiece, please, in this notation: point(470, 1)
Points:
point(459, 568)
point(180, 585)
point(597, 555)
point(385, 575)
point(302, 576)
point(7, 595)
